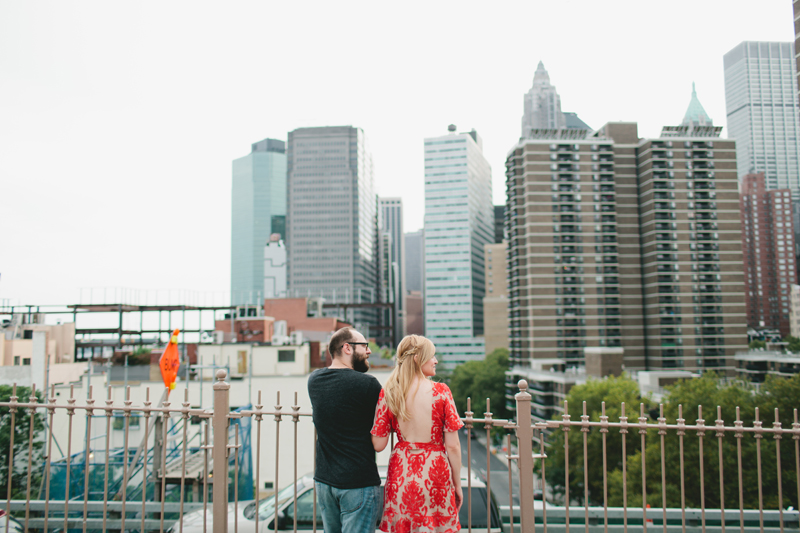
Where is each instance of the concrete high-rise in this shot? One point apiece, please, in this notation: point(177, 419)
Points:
point(415, 260)
point(769, 262)
point(621, 243)
point(258, 209)
point(459, 220)
point(332, 218)
point(495, 303)
point(763, 114)
point(390, 220)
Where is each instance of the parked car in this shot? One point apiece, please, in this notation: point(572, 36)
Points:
point(14, 526)
point(193, 522)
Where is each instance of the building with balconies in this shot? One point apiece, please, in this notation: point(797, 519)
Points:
point(622, 242)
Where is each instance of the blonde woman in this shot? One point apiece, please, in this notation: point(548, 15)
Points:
point(423, 485)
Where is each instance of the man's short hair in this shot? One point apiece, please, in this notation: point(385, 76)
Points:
point(339, 339)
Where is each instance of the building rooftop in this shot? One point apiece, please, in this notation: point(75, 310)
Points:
point(695, 114)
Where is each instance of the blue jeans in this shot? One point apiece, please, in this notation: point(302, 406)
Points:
point(350, 510)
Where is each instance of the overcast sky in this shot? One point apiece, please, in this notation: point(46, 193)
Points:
point(119, 120)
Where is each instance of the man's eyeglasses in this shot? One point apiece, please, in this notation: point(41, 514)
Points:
point(357, 343)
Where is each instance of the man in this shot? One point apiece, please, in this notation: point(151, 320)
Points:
point(343, 398)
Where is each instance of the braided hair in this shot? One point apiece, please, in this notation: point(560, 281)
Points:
point(406, 370)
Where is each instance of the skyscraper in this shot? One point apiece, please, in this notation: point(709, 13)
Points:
point(763, 112)
point(769, 262)
point(459, 220)
point(332, 217)
point(542, 104)
point(258, 209)
point(621, 243)
point(415, 260)
point(390, 218)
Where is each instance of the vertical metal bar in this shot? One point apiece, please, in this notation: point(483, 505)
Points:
point(700, 434)
point(32, 423)
point(205, 477)
point(565, 427)
point(488, 425)
point(777, 436)
point(510, 483)
point(13, 410)
point(127, 414)
point(662, 432)
point(585, 433)
point(681, 432)
point(544, 481)
point(87, 454)
point(51, 408)
point(278, 417)
point(259, 417)
point(162, 470)
point(185, 417)
point(739, 434)
point(109, 414)
point(720, 435)
point(314, 526)
point(236, 478)
point(295, 420)
point(643, 434)
point(70, 413)
point(468, 414)
point(796, 438)
point(623, 420)
point(604, 435)
point(525, 452)
point(219, 452)
point(757, 426)
point(144, 461)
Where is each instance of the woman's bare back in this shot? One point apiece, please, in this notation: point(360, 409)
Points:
point(419, 404)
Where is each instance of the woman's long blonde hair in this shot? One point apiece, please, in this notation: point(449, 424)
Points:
point(405, 372)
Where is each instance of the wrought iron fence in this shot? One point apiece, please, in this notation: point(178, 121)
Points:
point(148, 489)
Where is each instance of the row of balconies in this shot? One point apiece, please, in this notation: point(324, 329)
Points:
point(663, 185)
point(699, 154)
point(608, 290)
point(666, 247)
point(665, 216)
point(660, 195)
point(564, 156)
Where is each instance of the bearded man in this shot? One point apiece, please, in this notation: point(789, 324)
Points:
point(343, 398)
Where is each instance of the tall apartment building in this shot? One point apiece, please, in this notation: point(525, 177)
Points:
point(495, 303)
point(620, 242)
point(768, 245)
point(390, 221)
point(763, 113)
point(459, 220)
point(258, 209)
point(332, 218)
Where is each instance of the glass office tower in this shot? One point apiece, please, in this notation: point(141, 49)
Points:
point(258, 209)
point(762, 109)
point(459, 220)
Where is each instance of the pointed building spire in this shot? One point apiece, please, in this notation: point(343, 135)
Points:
point(695, 114)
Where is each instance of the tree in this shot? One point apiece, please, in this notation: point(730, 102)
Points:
point(757, 345)
point(480, 380)
point(22, 422)
point(614, 391)
point(792, 344)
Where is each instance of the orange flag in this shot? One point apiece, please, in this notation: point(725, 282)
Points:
point(170, 361)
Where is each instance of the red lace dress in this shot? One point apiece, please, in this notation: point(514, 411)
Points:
point(419, 496)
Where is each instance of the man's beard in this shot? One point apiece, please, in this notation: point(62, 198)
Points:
point(360, 363)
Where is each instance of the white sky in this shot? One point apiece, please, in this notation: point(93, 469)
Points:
point(119, 120)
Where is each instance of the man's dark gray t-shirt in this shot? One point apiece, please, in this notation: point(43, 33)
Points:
point(344, 403)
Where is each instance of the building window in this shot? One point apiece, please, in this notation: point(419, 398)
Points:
point(26, 361)
point(16, 360)
point(286, 356)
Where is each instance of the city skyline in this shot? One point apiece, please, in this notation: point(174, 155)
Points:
point(119, 129)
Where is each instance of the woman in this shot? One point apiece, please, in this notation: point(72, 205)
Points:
point(423, 485)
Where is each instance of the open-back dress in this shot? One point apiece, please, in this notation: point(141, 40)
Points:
point(419, 495)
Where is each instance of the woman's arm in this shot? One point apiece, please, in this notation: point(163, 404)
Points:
point(379, 443)
point(453, 447)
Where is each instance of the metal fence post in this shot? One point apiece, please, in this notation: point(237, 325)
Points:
point(525, 451)
point(219, 453)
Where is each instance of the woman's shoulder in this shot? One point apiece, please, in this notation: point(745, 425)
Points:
point(440, 388)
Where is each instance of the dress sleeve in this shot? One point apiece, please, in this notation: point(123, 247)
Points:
point(452, 422)
point(382, 425)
